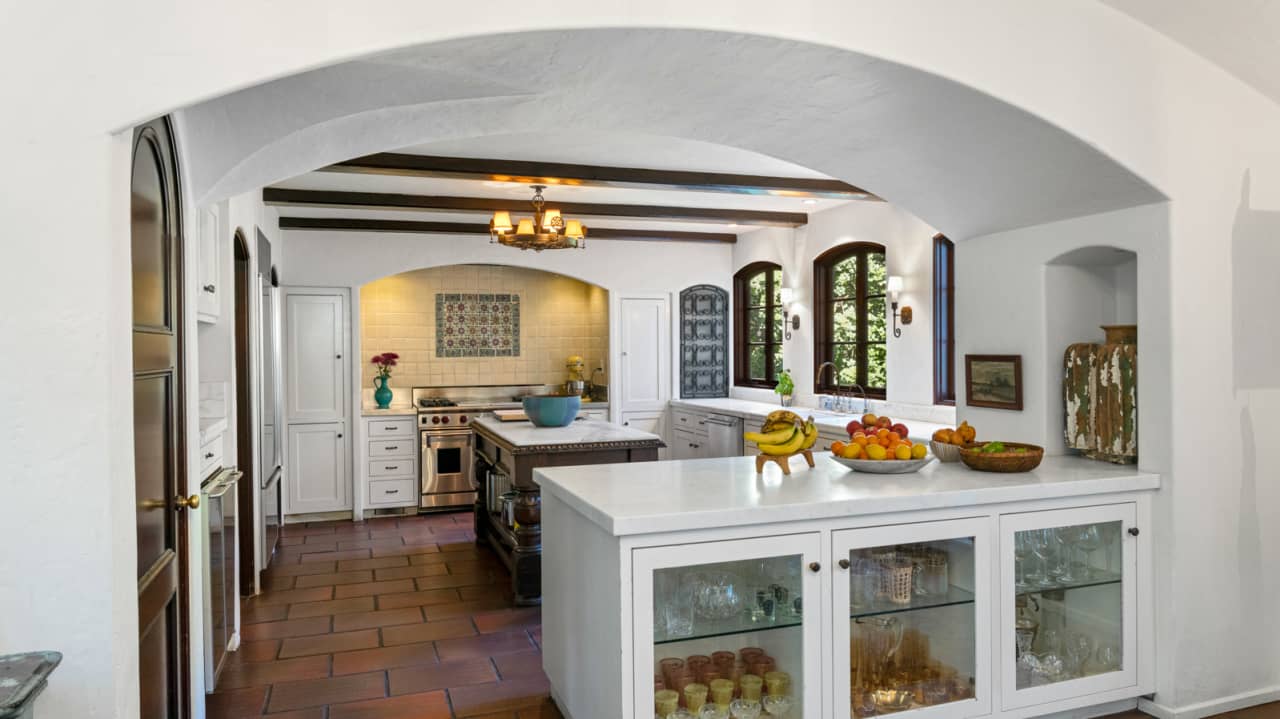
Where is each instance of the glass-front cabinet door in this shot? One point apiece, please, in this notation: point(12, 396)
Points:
point(911, 620)
point(729, 629)
point(1068, 612)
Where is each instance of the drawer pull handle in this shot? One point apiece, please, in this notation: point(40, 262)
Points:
point(208, 455)
point(393, 491)
point(391, 448)
point(391, 467)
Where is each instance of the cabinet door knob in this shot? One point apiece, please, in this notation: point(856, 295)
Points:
point(1133, 531)
point(844, 563)
point(192, 502)
point(210, 289)
point(814, 566)
point(339, 435)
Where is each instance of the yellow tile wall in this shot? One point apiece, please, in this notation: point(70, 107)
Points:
point(559, 317)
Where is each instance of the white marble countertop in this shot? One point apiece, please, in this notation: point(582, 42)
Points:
point(371, 410)
point(646, 498)
point(211, 427)
point(828, 422)
point(523, 433)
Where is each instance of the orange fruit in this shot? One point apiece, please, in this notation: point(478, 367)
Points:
point(875, 451)
point(919, 451)
point(894, 436)
point(860, 439)
point(837, 447)
point(902, 451)
point(942, 435)
point(908, 442)
point(883, 441)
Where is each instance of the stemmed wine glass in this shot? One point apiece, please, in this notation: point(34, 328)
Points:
point(1021, 551)
point(1041, 543)
point(1088, 540)
point(1079, 649)
point(1066, 536)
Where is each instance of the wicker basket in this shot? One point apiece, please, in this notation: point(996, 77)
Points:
point(945, 451)
point(1002, 461)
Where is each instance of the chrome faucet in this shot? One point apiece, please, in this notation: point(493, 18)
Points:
point(865, 402)
point(835, 382)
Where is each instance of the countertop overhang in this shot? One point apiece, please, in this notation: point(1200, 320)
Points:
point(671, 496)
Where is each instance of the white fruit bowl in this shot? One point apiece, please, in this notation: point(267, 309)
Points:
point(883, 466)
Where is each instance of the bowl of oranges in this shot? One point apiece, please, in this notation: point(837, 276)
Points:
point(946, 443)
point(880, 447)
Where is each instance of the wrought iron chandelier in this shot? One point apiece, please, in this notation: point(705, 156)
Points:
point(546, 230)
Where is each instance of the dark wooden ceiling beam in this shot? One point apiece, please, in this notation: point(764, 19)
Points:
point(280, 196)
point(561, 173)
point(354, 224)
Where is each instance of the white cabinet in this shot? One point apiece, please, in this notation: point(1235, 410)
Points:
point(208, 264)
point(921, 613)
point(317, 469)
point(651, 422)
point(390, 474)
point(687, 445)
point(1069, 604)
point(696, 601)
point(316, 357)
point(644, 334)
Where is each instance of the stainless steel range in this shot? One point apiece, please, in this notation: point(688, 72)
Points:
point(446, 444)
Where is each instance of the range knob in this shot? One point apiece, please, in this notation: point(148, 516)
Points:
point(444, 419)
point(462, 419)
point(435, 419)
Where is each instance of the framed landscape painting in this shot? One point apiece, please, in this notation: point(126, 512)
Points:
point(993, 381)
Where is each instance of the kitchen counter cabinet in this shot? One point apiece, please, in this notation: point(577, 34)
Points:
point(507, 453)
point(620, 539)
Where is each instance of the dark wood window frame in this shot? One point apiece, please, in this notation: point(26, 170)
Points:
point(823, 339)
point(944, 320)
point(773, 318)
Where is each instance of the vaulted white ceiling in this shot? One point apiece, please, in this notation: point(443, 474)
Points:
point(961, 160)
point(1241, 36)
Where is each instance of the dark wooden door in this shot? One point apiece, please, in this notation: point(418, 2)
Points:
point(158, 445)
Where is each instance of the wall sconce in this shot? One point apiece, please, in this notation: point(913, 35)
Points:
point(895, 288)
point(789, 321)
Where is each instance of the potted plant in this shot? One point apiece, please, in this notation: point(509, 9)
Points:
point(381, 392)
point(786, 388)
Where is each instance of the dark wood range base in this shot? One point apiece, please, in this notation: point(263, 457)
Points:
point(521, 548)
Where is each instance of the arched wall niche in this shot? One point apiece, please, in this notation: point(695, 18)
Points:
point(1084, 289)
point(482, 324)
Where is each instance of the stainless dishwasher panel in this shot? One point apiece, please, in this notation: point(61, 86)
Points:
point(724, 436)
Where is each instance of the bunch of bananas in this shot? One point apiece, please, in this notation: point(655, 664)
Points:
point(783, 433)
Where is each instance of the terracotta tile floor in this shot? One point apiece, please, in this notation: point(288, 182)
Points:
point(386, 619)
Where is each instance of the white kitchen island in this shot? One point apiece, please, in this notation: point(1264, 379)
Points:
point(952, 592)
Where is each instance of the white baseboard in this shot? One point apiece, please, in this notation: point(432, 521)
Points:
point(1213, 707)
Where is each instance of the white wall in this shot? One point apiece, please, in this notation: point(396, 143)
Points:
point(1148, 102)
point(908, 245)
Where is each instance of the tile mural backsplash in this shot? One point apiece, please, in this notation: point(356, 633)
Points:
point(558, 316)
point(477, 325)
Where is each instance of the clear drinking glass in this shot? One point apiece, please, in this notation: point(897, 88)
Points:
point(1042, 543)
point(1088, 540)
point(1079, 650)
point(1066, 536)
point(1022, 551)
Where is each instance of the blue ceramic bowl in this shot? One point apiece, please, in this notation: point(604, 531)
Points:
point(550, 410)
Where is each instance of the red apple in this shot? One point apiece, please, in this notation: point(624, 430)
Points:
point(900, 428)
point(854, 426)
point(884, 422)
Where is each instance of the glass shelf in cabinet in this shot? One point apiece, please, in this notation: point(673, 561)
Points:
point(1101, 580)
point(955, 596)
point(704, 629)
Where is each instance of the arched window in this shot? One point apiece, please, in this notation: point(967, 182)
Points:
point(849, 284)
point(757, 325)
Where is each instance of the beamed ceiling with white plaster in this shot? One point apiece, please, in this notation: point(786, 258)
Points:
point(962, 161)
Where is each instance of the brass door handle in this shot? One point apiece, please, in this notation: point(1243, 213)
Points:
point(152, 504)
point(192, 502)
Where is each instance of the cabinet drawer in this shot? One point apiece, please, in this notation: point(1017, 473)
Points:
point(391, 468)
point(392, 491)
point(210, 456)
point(379, 449)
point(689, 421)
point(392, 428)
